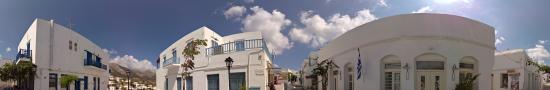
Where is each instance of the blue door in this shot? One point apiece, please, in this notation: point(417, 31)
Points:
point(77, 85)
point(85, 82)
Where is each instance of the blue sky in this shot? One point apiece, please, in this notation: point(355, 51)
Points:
point(137, 30)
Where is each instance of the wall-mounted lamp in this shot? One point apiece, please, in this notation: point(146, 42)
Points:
point(406, 67)
point(454, 69)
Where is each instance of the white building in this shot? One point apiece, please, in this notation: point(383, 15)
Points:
point(513, 72)
point(57, 51)
point(307, 81)
point(250, 68)
point(411, 51)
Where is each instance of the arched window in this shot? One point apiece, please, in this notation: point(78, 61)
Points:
point(467, 66)
point(391, 65)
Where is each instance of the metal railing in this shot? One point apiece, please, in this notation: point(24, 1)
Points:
point(24, 53)
point(169, 61)
point(90, 62)
point(241, 45)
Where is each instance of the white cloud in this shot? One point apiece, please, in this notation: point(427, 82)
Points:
point(248, 1)
point(317, 31)
point(110, 51)
point(234, 12)
point(270, 25)
point(424, 9)
point(133, 63)
point(382, 3)
point(498, 39)
point(543, 41)
point(539, 53)
point(8, 49)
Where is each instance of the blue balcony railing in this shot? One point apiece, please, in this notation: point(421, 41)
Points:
point(94, 63)
point(170, 61)
point(236, 46)
point(24, 53)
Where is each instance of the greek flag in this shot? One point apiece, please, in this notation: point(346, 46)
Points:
point(359, 65)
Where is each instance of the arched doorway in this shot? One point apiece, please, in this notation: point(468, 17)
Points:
point(467, 67)
point(430, 72)
point(391, 73)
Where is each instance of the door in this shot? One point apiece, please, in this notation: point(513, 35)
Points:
point(430, 80)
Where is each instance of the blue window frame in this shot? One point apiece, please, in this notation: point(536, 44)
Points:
point(236, 80)
point(213, 82)
point(239, 45)
point(189, 83)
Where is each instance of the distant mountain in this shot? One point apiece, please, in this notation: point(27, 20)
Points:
point(139, 75)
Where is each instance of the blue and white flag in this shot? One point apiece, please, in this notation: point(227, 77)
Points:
point(359, 65)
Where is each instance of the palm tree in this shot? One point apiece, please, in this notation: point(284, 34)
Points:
point(66, 80)
point(189, 53)
point(467, 83)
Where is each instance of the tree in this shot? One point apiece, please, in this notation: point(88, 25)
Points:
point(66, 80)
point(189, 53)
point(467, 83)
point(23, 73)
point(322, 70)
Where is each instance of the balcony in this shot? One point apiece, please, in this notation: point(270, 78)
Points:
point(94, 63)
point(171, 61)
point(236, 46)
point(24, 55)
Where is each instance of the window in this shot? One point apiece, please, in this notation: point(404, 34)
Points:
point(239, 45)
point(392, 81)
point(466, 66)
point(70, 45)
point(504, 80)
point(85, 82)
point(53, 81)
point(75, 46)
point(430, 65)
point(98, 83)
point(237, 80)
point(349, 79)
point(214, 43)
point(165, 83)
point(392, 66)
point(213, 82)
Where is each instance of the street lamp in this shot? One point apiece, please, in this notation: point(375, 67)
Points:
point(128, 73)
point(228, 63)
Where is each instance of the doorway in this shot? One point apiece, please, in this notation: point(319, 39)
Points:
point(430, 80)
